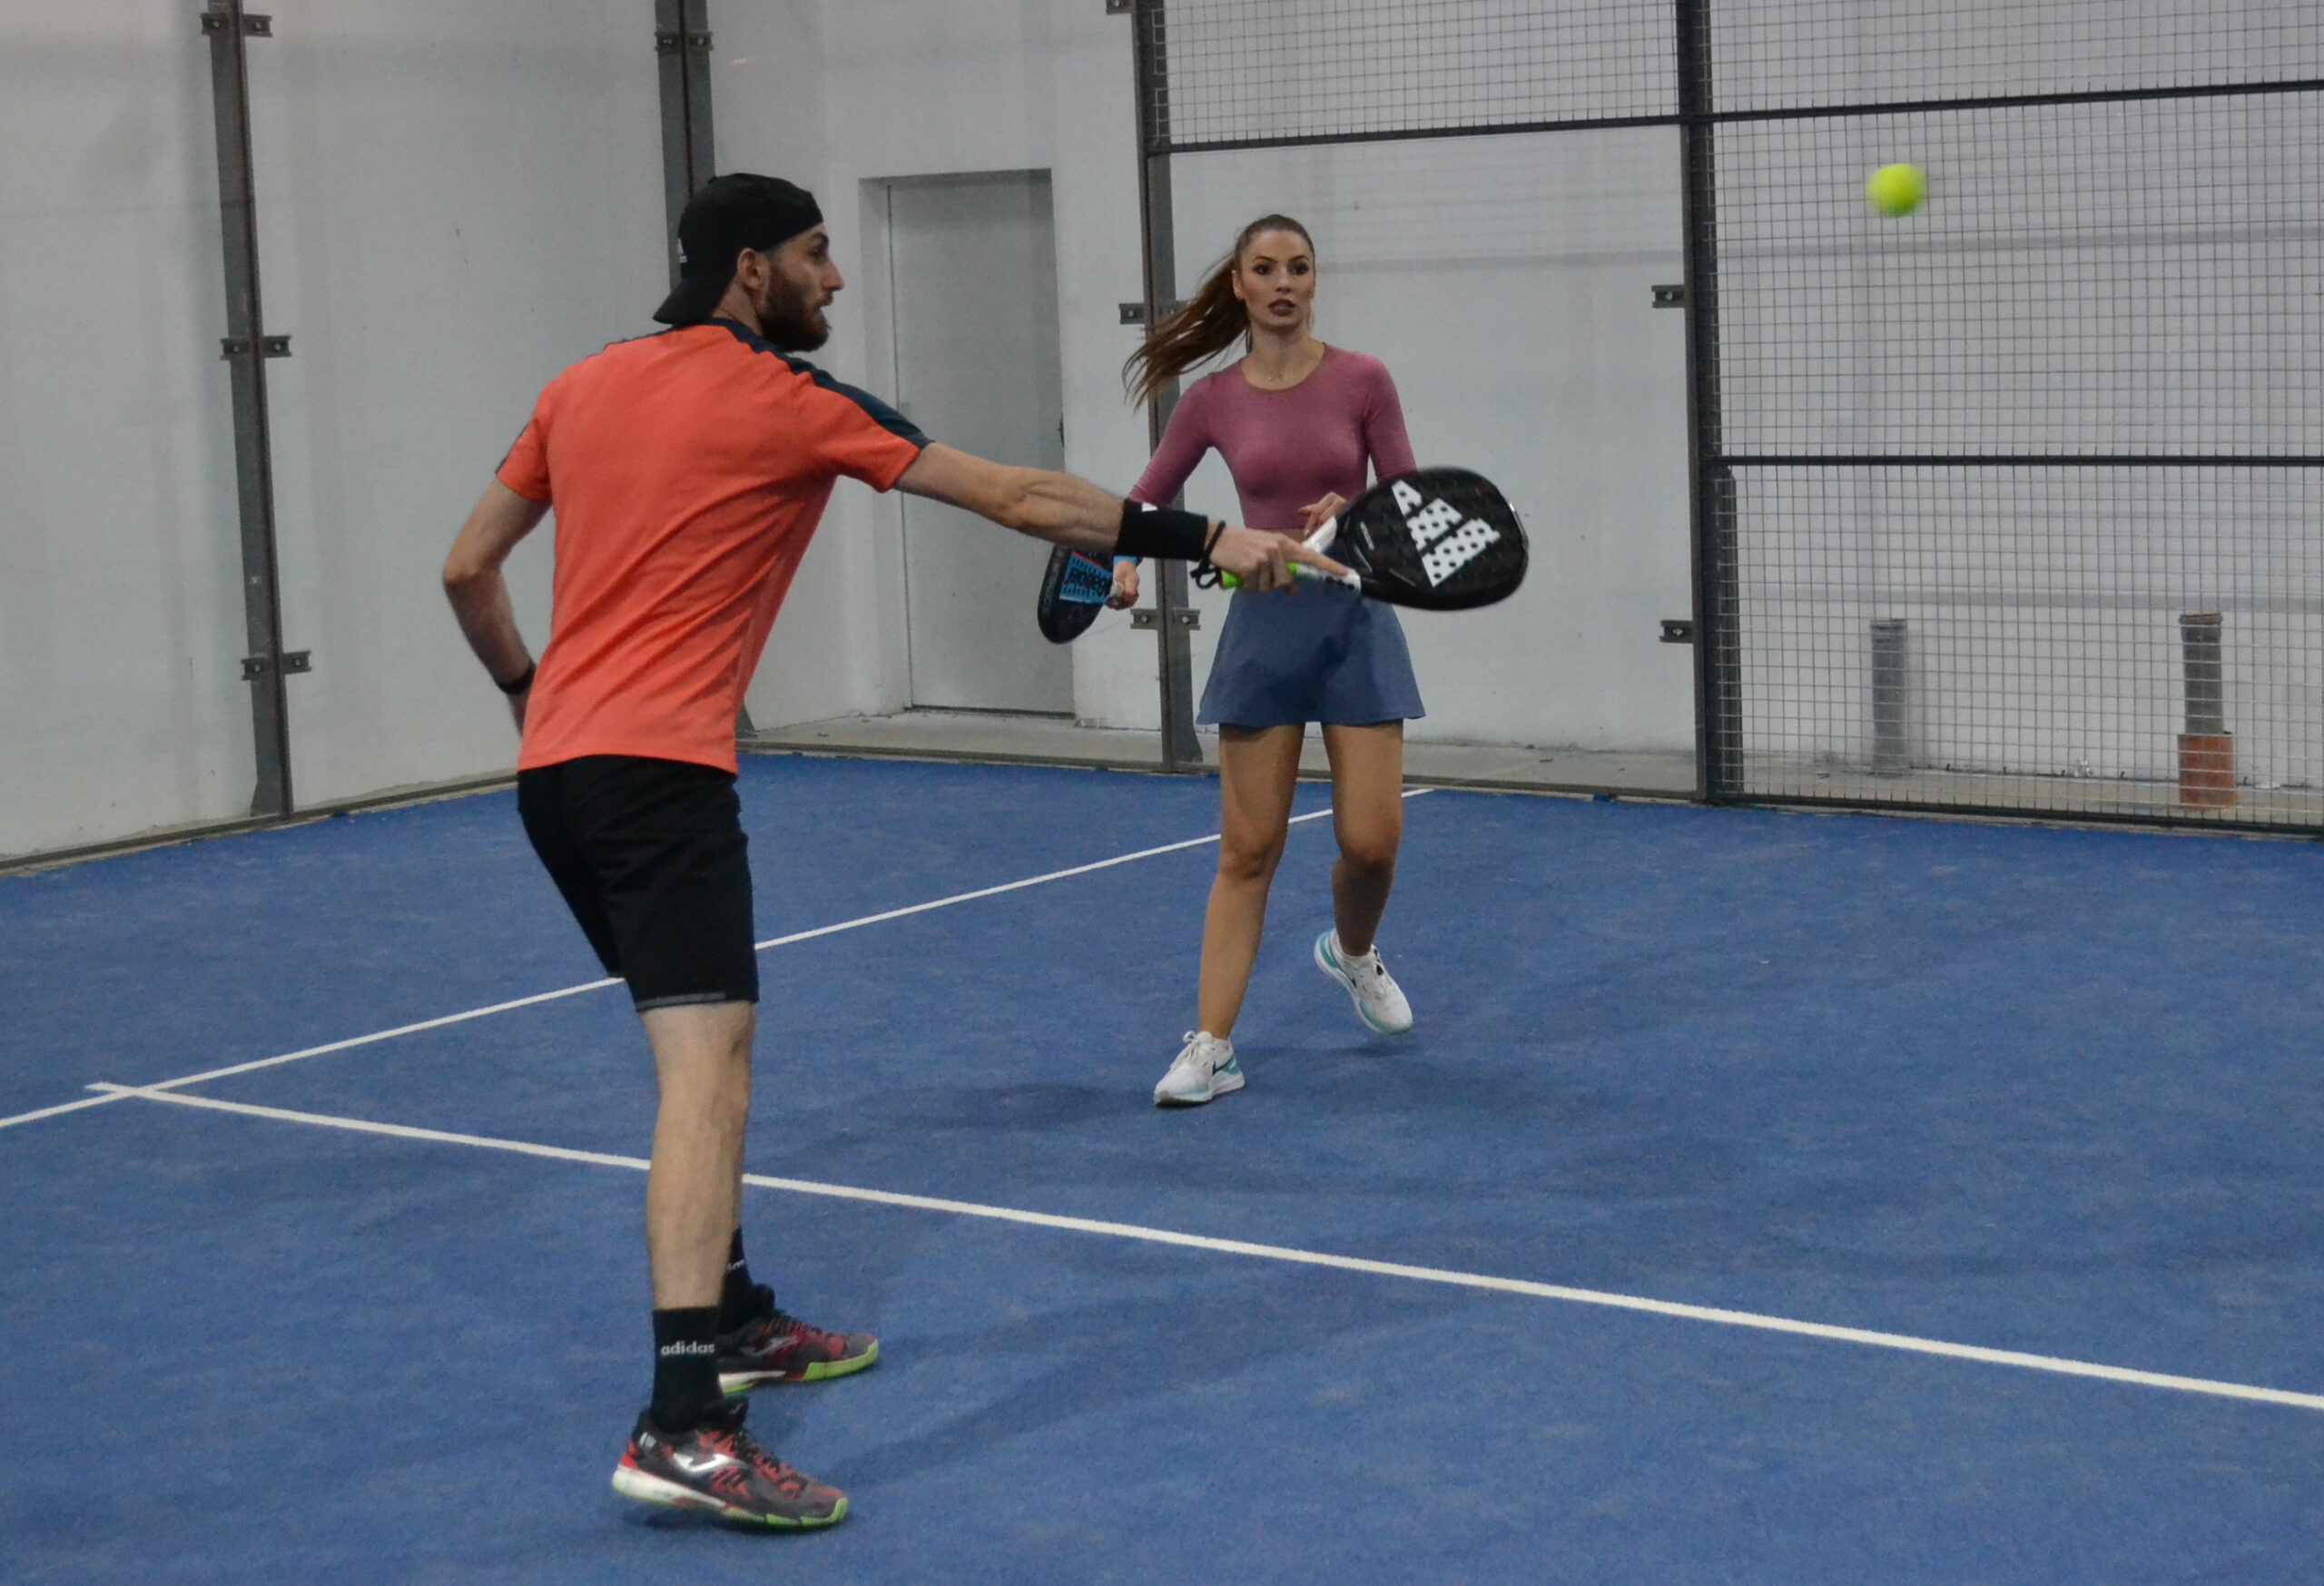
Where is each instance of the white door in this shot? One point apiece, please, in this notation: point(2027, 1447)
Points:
point(972, 278)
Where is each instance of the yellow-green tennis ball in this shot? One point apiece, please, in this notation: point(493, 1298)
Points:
point(1895, 190)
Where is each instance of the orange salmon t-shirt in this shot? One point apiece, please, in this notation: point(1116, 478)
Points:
point(688, 471)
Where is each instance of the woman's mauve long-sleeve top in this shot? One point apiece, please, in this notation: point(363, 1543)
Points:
point(1285, 449)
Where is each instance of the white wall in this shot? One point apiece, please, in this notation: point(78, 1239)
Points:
point(121, 623)
point(459, 200)
point(1440, 258)
point(844, 94)
point(456, 202)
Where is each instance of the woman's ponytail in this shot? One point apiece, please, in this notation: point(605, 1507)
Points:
point(1206, 324)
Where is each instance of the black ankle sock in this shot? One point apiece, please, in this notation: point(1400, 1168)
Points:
point(685, 1368)
point(738, 1301)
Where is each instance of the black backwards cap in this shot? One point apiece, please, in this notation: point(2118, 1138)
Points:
point(729, 214)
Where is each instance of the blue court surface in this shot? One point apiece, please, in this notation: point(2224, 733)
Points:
point(1762, 1199)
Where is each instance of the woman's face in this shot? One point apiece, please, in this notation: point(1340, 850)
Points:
point(1276, 278)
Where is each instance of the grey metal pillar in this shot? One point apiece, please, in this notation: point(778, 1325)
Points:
point(1719, 702)
point(682, 39)
point(247, 346)
point(1175, 616)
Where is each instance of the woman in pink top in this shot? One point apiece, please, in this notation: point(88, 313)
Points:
point(1298, 423)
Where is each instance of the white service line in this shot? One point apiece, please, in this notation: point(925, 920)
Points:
point(60, 1107)
point(540, 997)
point(336, 1045)
point(1515, 1286)
point(1033, 880)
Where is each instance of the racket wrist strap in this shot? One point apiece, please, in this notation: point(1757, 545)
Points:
point(1163, 531)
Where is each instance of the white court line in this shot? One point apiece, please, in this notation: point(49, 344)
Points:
point(540, 997)
point(52, 1111)
point(337, 1046)
point(1471, 1280)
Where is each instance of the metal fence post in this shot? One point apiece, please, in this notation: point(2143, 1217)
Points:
point(682, 39)
point(246, 347)
point(1711, 483)
point(1174, 614)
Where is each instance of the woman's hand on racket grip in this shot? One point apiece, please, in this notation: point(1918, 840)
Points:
point(1261, 559)
point(1125, 592)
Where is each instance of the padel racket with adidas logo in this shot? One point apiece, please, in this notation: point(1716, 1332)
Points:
point(1073, 592)
point(1435, 539)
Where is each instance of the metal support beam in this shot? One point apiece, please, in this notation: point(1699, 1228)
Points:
point(682, 39)
point(1711, 483)
point(247, 346)
point(1181, 749)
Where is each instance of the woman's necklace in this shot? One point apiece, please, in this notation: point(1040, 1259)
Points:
point(1284, 381)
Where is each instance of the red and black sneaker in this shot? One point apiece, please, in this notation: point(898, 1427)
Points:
point(719, 1467)
point(776, 1346)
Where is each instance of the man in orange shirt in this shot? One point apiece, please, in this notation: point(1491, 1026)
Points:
point(688, 470)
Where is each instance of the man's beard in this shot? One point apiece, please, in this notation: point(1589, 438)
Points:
point(785, 320)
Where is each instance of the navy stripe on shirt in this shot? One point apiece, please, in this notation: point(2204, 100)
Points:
point(879, 412)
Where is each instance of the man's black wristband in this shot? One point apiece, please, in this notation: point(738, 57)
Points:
point(519, 684)
point(1162, 531)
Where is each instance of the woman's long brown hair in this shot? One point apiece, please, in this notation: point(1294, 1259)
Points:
point(1208, 323)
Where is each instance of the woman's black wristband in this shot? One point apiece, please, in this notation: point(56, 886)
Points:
point(1163, 531)
point(519, 684)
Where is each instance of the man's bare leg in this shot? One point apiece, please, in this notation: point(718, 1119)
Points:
point(693, 1453)
point(702, 1057)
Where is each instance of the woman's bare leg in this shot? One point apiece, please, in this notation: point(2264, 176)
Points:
point(1258, 767)
point(1368, 816)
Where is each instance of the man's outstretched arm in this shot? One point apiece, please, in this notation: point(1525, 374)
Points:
point(1068, 511)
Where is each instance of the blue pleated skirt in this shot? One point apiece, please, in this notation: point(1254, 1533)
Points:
point(1321, 654)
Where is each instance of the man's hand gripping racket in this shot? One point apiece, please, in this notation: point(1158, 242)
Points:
point(1077, 585)
point(1436, 539)
point(1260, 558)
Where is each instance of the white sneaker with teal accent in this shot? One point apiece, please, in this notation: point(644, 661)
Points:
point(1379, 1001)
point(1202, 1070)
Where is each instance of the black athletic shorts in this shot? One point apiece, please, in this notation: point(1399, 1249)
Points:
point(652, 860)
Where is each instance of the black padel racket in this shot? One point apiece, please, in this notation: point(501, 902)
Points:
point(1435, 539)
point(1073, 592)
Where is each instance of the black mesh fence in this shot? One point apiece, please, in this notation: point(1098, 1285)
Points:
point(2013, 503)
point(2019, 636)
point(1238, 75)
point(1840, 56)
point(2136, 277)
